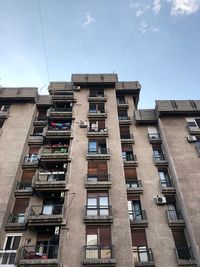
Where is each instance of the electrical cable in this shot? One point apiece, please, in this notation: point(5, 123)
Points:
point(43, 40)
point(127, 43)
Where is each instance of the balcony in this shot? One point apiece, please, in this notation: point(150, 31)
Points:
point(24, 189)
point(98, 214)
point(134, 187)
point(39, 256)
point(97, 97)
point(167, 187)
point(154, 138)
point(175, 218)
point(40, 121)
point(194, 130)
point(30, 161)
point(95, 114)
point(127, 139)
point(100, 153)
point(50, 182)
point(62, 130)
point(15, 222)
point(59, 113)
point(98, 181)
point(57, 152)
point(130, 160)
point(97, 132)
point(143, 256)
point(7, 258)
point(35, 139)
point(51, 214)
point(61, 97)
point(4, 114)
point(124, 120)
point(185, 257)
point(138, 218)
point(160, 160)
point(98, 255)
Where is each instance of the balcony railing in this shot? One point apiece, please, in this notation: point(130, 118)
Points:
point(184, 253)
point(39, 252)
point(97, 94)
point(133, 184)
point(166, 183)
point(137, 215)
point(103, 210)
point(99, 111)
point(160, 160)
point(98, 178)
point(123, 118)
point(61, 109)
point(31, 159)
point(122, 102)
point(16, 218)
point(100, 252)
point(126, 136)
point(51, 177)
point(38, 210)
point(7, 258)
point(175, 214)
point(194, 129)
point(40, 120)
point(98, 130)
point(129, 157)
point(143, 254)
point(61, 127)
point(24, 186)
point(59, 149)
point(154, 138)
point(99, 151)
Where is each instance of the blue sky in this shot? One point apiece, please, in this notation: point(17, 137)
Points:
point(154, 41)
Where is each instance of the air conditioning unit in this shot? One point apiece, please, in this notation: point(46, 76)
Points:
point(160, 200)
point(62, 194)
point(77, 87)
point(191, 139)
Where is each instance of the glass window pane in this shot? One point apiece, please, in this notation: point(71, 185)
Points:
point(16, 242)
point(91, 239)
point(103, 201)
point(92, 201)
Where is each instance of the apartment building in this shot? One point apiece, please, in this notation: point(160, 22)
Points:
point(88, 179)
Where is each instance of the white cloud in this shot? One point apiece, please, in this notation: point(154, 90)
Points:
point(156, 6)
point(88, 20)
point(184, 7)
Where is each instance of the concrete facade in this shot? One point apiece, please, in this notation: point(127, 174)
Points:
point(88, 179)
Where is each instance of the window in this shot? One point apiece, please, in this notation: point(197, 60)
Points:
point(193, 123)
point(131, 177)
point(158, 153)
point(97, 170)
point(98, 242)
point(127, 153)
point(97, 146)
point(124, 132)
point(38, 130)
point(96, 107)
point(96, 125)
point(183, 251)
point(122, 114)
point(135, 210)
point(96, 93)
point(97, 204)
point(164, 178)
point(11, 245)
point(139, 243)
point(18, 213)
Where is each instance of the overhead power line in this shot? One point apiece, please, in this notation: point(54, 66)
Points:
point(43, 40)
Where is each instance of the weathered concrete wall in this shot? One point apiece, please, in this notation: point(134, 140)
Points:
point(12, 141)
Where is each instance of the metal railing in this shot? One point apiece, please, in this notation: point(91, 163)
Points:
point(24, 186)
point(62, 149)
point(121, 101)
point(102, 210)
point(16, 218)
point(61, 109)
point(40, 118)
point(51, 177)
point(97, 111)
point(98, 252)
point(98, 178)
point(126, 136)
point(160, 157)
point(97, 94)
point(38, 210)
point(129, 157)
point(39, 252)
point(154, 136)
point(7, 257)
point(184, 253)
point(63, 127)
point(98, 130)
point(134, 184)
point(32, 159)
point(167, 183)
point(123, 118)
point(175, 215)
point(99, 151)
point(143, 254)
point(137, 215)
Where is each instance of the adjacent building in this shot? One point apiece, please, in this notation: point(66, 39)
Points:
point(88, 179)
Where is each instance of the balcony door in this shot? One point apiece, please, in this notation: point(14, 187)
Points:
point(7, 256)
point(98, 204)
point(134, 209)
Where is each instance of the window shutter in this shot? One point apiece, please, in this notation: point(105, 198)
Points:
point(101, 124)
point(124, 130)
point(126, 148)
point(179, 238)
point(92, 167)
point(91, 230)
point(105, 236)
point(20, 205)
point(33, 150)
point(130, 174)
point(138, 237)
point(27, 176)
point(102, 167)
